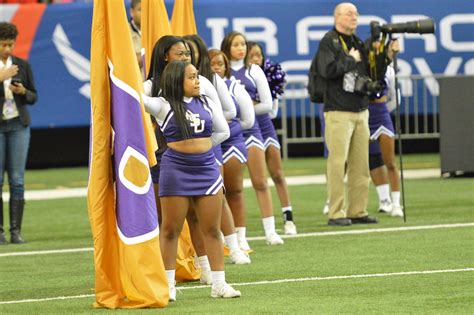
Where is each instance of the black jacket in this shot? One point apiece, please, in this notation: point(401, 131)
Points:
point(333, 63)
point(25, 75)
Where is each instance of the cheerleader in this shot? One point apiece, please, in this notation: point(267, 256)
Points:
point(275, 77)
point(234, 150)
point(383, 167)
point(191, 125)
point(199, 47)
point(234, 46)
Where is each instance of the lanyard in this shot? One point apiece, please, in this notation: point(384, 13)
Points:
point(344, 45)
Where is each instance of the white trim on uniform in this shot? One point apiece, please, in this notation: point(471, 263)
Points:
point(382, 130)
point(234, 152)
point(254, 142)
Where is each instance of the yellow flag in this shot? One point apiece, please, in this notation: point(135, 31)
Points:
point(129, 271)
point(154, 24)
point(182, 20)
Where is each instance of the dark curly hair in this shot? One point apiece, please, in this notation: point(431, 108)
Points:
point(8, 31)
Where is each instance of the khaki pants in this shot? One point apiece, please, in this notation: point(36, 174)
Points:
point(347, 139)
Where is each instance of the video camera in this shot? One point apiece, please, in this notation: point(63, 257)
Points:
point(425, 26)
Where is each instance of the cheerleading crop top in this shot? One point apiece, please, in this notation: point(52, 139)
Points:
point(205, 118)
point(255, 82)
point(216, 91)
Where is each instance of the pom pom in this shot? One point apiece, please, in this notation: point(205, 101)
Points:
point(275, 77)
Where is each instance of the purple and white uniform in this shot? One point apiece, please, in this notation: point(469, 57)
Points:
point(235, 145)
point(268, 131)
point(254, 81)
point(380, 121)
point(219, 94)
point(183, 174)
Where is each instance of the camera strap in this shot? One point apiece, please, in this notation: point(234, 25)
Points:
point(372, 57)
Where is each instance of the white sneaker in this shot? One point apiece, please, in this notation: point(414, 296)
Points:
point(385, 206)
point(290, 228)
point(274, 239)
point(224, 291)
point(240, 258)
point(326, 208)
point(397, 211)
point(206, 277)
point(172, 292)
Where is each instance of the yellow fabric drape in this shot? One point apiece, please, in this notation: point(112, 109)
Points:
point(182, 20)
point(127, 274)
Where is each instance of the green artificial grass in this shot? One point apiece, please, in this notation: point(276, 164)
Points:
point(295, 278)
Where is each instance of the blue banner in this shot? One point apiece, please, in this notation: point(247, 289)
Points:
point(290, 32)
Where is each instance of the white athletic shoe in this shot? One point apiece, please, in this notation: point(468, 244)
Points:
point(397, 211)
point(244, 245)
point(274, 239)
point(385, 206)
point(240, 258)
point(206, 277)
point(290, 228)
point(172, 292)
point(224, 291)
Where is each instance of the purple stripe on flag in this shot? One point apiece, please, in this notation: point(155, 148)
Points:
point(135, 208)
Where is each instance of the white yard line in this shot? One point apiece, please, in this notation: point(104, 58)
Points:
point(367, 231)
point(61, 193)
point(260, 238)
point(48, 252)
point(359, 276)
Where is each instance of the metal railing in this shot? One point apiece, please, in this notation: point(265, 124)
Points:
point(419, 109)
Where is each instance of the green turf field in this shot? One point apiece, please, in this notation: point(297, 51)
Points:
point(390, 270)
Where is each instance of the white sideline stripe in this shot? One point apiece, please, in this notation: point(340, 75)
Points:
point(367, 231)
point(259, 238)
point(374, 275)
point(48, 194)
point(47, 252)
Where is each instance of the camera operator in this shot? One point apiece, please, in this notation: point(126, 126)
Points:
point(342, 62)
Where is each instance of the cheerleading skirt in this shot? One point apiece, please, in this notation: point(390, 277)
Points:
point(234, 146)
point(253, 137)
point(183, 174)
point(268, 131)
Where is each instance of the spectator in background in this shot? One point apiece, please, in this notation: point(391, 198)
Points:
point(135, 26)
point(16, 92)
point(276, 79)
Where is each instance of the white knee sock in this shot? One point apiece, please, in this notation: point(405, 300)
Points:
point(384, 192)
point(269, 225)
point(204, 263)
point(170, 275)
point(232, 241)
point(218, 277)
point(241, 233)
point(396, 198)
